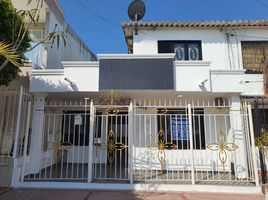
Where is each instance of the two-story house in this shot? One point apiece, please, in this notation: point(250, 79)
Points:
point(14, 98)
point(171, 114)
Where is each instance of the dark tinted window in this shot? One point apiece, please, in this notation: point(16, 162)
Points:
point(185, 50)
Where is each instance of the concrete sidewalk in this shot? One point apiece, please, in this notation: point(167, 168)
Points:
point(51, 194)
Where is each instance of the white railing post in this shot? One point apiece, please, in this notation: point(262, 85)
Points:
point(253, 145)
point(26, 140)
point(90, 145)
point(130, 141)
point(191, 142)
point(15, 149)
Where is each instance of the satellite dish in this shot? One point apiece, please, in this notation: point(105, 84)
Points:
point(136, 10)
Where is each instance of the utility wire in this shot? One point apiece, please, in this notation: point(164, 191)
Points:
point(261, 3)
point(97, 15)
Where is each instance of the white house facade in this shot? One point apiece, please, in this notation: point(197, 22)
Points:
point(173, 114)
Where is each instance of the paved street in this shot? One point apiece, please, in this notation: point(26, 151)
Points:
point(45, 194)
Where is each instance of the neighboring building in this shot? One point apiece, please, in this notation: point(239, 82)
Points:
point(169, 115)
point(42, 57)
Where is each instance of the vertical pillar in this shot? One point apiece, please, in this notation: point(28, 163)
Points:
point(130, 141)
point(191, 142)
point(238, 137)
point(91, 143)
point(15, 150)
point(16, 169)
point(26, 137)
point(37, 133)
point(253, 148)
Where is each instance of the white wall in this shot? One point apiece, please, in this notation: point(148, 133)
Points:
point(75, 49)
point(214, 43)
point(84, 75)
point(188, 77)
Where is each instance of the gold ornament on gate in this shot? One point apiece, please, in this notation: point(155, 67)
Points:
point(112, 98)
point(111, 146)
point(161, 144)
point(222, 146)
point(58, 147)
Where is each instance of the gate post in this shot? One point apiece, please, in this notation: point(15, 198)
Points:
point(90, 144)
point(253, 148)
point(15, 150)
point(191, 142)
point(15, 172)
point(26, 138)
point(130, 141)
point(36, 146)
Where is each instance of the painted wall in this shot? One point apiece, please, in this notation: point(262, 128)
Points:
point(215, 48)
point(188, 77)
point(75, 49)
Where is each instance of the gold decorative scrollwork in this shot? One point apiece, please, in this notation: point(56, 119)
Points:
point(58, 147)
point(222, 146)
point(112, 98)
point(111, 146)
point(218, 110)
point(162, 145)
point(111, 111)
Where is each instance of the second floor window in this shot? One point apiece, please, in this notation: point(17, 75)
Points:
point(254, 54)
point(184, 50)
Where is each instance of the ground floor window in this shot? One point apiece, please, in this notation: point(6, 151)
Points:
point(175, 124)
point(75, 126)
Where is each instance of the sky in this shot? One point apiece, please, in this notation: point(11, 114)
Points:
point(98, 22)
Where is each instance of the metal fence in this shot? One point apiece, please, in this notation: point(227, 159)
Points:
point(181, 145)
point(160, 144)
point(13, 116)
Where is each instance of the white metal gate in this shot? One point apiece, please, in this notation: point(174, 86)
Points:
point(192, 145)
point(65, 147)
point(110, 152)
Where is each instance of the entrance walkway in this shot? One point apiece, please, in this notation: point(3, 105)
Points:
point(45, 194)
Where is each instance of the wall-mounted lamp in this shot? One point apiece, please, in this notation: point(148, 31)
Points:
point(72, 84)
point(203, 82)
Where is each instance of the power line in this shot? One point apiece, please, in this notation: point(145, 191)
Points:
point(97, 15)
point(261, 3)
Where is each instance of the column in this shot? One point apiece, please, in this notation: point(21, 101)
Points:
point(238, 135)
point(37, 132)
point(130, 142)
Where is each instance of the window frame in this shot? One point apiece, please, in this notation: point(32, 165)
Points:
point(69, 137)
point(185, 144)
point(167, 46)
point(250, 69)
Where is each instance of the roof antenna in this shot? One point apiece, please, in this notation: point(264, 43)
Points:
point(136, 11)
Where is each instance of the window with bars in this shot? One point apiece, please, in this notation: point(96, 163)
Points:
point(184, 50)
point(175, 124)
point(254, 54)
point(76, 128)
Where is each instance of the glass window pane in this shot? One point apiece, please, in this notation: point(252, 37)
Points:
point(179, 50)
point(193, 52)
